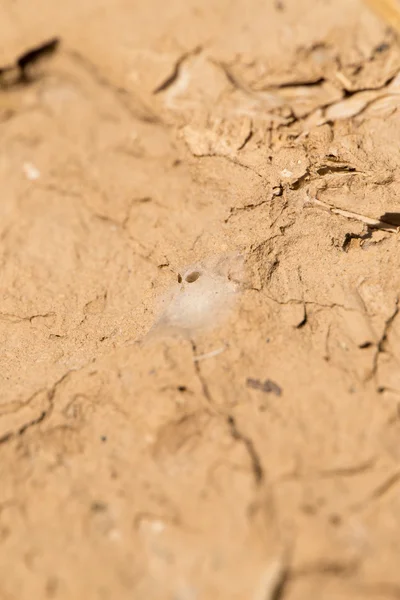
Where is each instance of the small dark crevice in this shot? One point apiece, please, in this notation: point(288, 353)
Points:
point(247, 442)
point(382, 341)
point(349, 93)
point(303, 322)
point(277, 190)
point(355, 236)
point(246, 140)
point(330, 169)
point(280, 586)
point(365, 345)
point(32, 423)
point(300, 181)
point(36, 54)
point(380, 347)
point(170, 80)
point(295, 84)
point(20, 72)
point(6, 437)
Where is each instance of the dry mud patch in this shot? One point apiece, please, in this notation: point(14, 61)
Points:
point(258, 459)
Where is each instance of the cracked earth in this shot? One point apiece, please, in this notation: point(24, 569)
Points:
point(258, 460)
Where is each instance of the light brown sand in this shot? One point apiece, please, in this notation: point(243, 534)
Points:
point(158, 134)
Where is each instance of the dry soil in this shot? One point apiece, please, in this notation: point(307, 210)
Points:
point(256, 461)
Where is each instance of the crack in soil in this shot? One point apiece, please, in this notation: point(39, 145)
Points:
point(236, 434)
point(380, 346)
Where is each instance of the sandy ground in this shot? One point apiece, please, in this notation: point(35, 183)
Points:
point(258, 460)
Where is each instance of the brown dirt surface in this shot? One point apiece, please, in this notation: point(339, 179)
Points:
point(259, 459)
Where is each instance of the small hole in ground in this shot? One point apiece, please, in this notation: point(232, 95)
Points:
point(193, 276)
point(365, 345)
